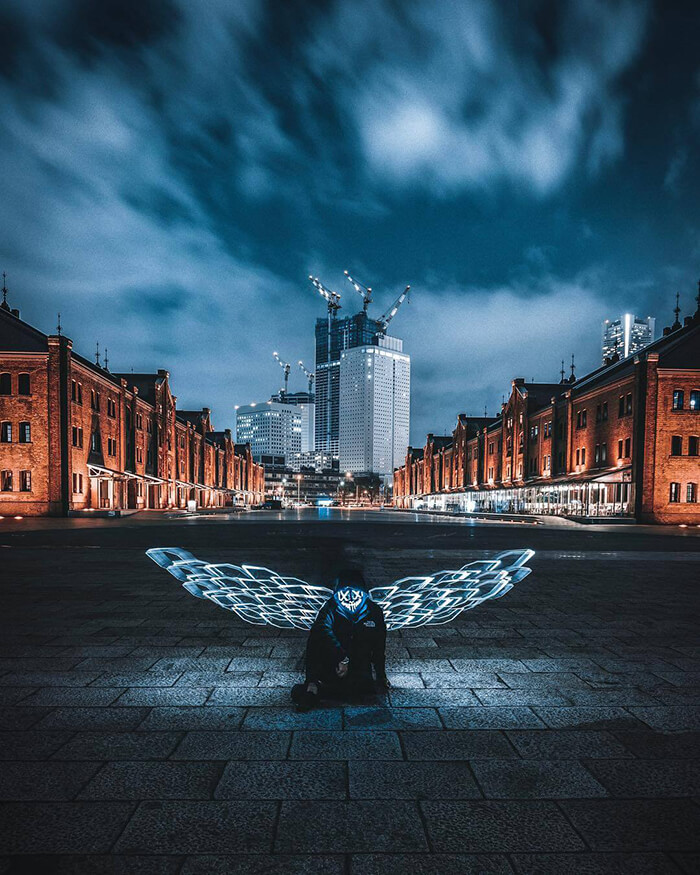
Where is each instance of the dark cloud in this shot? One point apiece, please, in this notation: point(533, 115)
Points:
point(173, 169)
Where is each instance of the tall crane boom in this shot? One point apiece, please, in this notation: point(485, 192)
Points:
point(365, 292)
point(386, 317)
point(286, 367)
point(309, 376)
point(333, 298)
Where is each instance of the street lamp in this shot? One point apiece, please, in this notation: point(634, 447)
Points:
point(298, 478)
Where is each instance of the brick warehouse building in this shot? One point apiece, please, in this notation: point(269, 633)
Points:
point(621, 441)
point(76, 437)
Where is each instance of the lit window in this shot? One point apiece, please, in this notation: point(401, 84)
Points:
point(25, 481)
point(6, 433)
point(678, 396)
point(25, 433)
point(674, 493)
point(694, 401)
point(5, 481)
point(691, 493)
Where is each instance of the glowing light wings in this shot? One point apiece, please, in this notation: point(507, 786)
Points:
point(263, 597)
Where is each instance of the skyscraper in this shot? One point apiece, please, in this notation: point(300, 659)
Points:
point(271, 429)
point(333, 335)
point(626, 335)
point(375, 392)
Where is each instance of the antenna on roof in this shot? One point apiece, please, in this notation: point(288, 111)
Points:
point(572, 378)
point(562, 371)
point(485, 413)
point(58, 327)
point(677, 311)
point(97, 354)
point(4, 291)
point(697, 297)
point(106, 360)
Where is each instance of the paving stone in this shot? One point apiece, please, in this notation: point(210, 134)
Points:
point(232, 679)
point(165, 696)
point(565, 663)
point(286, 718)
point(233, 746)
point(90, 696)
point(490, 718)
point(346, 745)
point(535, 779)
point(594, 864)
point(250, 696)
point(93, 718)
point(91, 864)
point(261, 864)
point(254, 663)
point(118, 746)
point(636, 825)
point(556, 680)
point(47, 678)
point(16, 717)
point(498, 827)
point(455, 745)
point(433, 864)
point(282, 780)
point(61, 827)
point(184, 827)
point(669, 718)
point(38, 782)
point(396, 827)
point(611, 698)
point(540, 697)
point(432, 698)
point(191, 718)
point(648, 778)
point(661, 745)
point(390, 718)
point(462, 680)
point(432, 666)
point(13, 695)
point(412, 780)
point(588, 718)
point(31, 745)
point(566, 744)
point(137, 679)
point(115, 665)
point(153, 780)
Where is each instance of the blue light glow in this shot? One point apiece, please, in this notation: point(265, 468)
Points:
point(263, 597)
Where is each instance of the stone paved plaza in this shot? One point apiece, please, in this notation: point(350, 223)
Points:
point(145, 731)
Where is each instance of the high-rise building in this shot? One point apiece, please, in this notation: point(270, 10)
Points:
point(626, 335)
point(271, 428)
point(333, 335)
point(305, 401)
point(374, 394)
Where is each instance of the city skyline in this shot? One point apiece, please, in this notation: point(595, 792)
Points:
point(172, 174)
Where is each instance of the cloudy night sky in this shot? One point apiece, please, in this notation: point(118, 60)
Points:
point(172, 170)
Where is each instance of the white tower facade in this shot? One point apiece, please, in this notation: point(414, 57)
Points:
point(627, 335)
point(271, 429)
point(375, 407)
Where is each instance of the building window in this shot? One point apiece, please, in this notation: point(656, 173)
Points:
point(694, 401)
point(621, 406)
point(23, 384)
point(111, 446)
point(693, 445)
point(139, 454)
point(78, 483)
point(628, 447)
point(5, 481)
point(628, 403)
point(5, 384)
point(578, 457)
point(691, 493)
point(678, 396)
point(603, 454)
point(619, 449)
point(111, 408)
point(77, 436)
point(676, 445)
point(25, 481)
point(599, 413)
point(597, 454)
point(581, 418)
point(76, 392)
point(6, 432)
point(94, 399)
point(674, 493)
point(605, 410)
point(25, 433)
point(583, 455)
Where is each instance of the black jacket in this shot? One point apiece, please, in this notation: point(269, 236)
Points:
point(334, 636)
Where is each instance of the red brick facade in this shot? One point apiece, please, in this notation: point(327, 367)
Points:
point(622, 440)
point(76, 437)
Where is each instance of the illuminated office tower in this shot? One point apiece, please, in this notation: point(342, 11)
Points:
point(271, 429)
point(374, 403)
point(626, 335)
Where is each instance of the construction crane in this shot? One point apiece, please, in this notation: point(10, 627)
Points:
point(364, 291)
point(286, 367)
point(333, 298)
point(387, 316)
point(309, 376)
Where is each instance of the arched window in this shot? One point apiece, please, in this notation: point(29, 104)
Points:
point(6, 432)
point(25, 433)
point(23, 384)
point(694, 400)
point(5, 384)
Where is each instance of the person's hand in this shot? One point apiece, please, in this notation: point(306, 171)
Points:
point(343, 667)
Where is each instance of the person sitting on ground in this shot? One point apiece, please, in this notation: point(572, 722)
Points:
point(346, 641)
